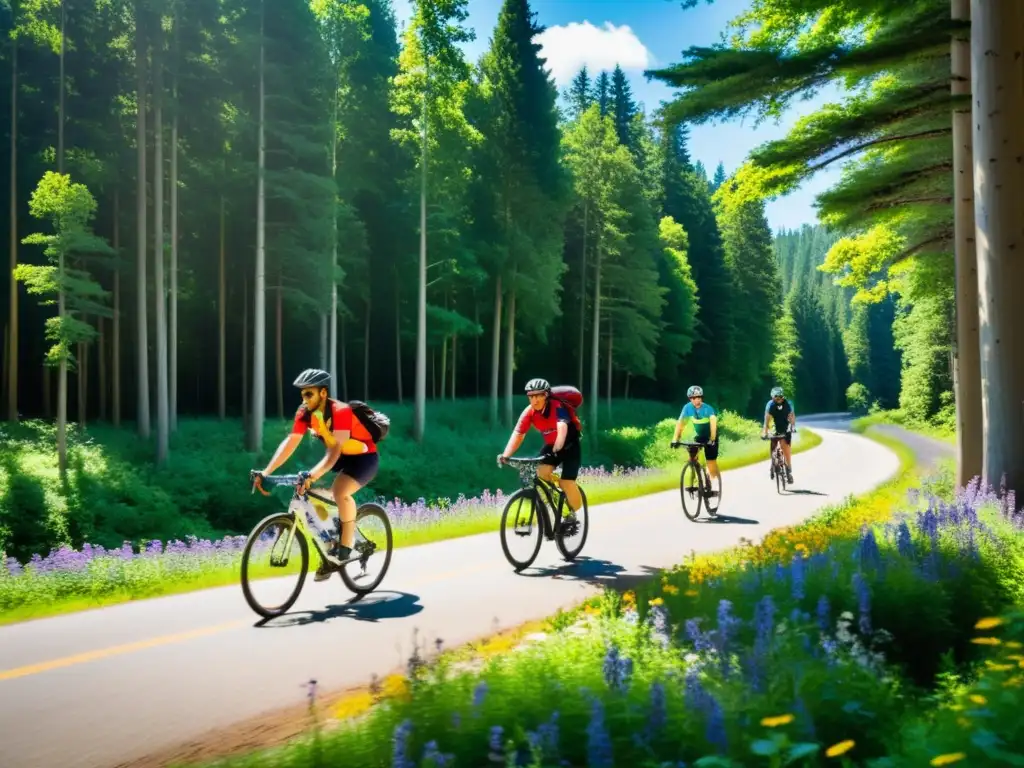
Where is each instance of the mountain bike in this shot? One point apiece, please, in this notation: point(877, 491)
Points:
point(296, 526)
point(527, 501)
point(778, 460)
point(695, 484)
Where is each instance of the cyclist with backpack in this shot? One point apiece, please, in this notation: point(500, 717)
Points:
point(351, 451)
point(561, 429)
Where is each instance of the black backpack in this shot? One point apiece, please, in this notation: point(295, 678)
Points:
point(375, 422)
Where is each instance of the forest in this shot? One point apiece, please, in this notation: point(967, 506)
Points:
point(205, 199)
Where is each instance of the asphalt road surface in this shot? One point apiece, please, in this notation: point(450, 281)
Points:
point(93, 689)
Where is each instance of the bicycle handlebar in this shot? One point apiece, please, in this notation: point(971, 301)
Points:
point(688, 444)
point(522, 460)
point(789, 431)
point(258, 479)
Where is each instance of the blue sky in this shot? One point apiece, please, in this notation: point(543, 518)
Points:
point(643, 34)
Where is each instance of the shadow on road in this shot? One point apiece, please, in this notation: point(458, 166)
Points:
point(373, 608)
point(593, 571)
point(804, 492)
point(726, 519)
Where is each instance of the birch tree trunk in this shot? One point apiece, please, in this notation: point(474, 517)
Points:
point(173, 371)
point(595, 330)
point(421, 291)
point(583, 293)
point(246, 387)
point(510, 355)
point(12, 326)
point(609, 374)
point(159, 294)
point(259, 368)
point(496, 350)
point(116, 340)
point(997, 87)
point(222, 340)
point(141, 319)
point(332, 362)
point(967, 356)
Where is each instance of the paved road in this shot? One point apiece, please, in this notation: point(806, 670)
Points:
point(93, 689)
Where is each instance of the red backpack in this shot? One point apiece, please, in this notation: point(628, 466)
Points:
point(572, 399)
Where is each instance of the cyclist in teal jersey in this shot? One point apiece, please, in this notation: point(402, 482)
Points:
point(705, 426)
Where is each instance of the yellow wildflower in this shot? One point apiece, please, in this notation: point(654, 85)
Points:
point(691, 593)
point(840, 749)
point(777, 720)
point(978, 699)
point(1015, 656)
point(963, 722)
point(1014, 644)
point(985, 640)
point(353, 706)
point(629, 597)
point(657, 601)
point(952, 757)
point(999, 667)
point(989, 623)
point(670, 589)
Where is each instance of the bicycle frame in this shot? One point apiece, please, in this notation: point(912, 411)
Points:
point(544, 488)
point(298, 521)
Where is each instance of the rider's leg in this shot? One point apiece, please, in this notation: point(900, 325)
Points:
point(344, 487)
point(353, 472)
point(787, 451)
point(711, 457)
point(571, 460)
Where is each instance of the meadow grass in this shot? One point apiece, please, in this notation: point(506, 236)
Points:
point(882, 632)
point(69, 581)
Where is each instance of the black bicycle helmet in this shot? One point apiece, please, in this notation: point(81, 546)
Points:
point(312, 377)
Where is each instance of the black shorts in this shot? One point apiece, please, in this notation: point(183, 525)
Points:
point(710, 449)
point(361, 467)
point(788, 437)
point(570, 458)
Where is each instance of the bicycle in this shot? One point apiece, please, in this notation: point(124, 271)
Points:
point(532, 492)
point(298, 526)
point(778, 460)
point(694, 480)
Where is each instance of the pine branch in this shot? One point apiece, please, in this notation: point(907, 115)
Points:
point(882, 140)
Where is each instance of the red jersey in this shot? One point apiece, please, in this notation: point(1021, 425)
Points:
point(546, 421)
point(336, 416)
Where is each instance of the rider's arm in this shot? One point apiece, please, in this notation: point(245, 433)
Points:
point(562, 429)
point(714, 427)
point(518, 434)
point(329, 459)
point(681, 421)
point(283, 453)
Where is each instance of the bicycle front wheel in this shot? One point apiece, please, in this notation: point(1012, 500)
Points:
point(275, 562)
point(691, 489)
point(521, 523)
point(780, 476)
point(375, 542)
point(570, 540)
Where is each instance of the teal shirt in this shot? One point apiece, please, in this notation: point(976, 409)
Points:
point(700, 418)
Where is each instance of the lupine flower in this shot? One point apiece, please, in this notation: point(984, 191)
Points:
point(904, 541)
point(798, 576)
point(701, 640)
point(432, 755)
point(494, 743)
point(726, 623)
point(479, 692)
point(658, 715)
point(824, 622)
point(599, 744)
point(400, 741)
point(860, 586)
point(618, 669)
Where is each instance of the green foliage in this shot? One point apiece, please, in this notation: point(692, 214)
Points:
point(858, 398)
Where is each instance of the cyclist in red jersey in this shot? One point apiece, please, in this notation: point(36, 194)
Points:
point(561, 441)
point(351, 453)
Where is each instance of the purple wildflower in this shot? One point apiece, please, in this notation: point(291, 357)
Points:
point(618, 669)
point(400, 741)
point(904, 541)
point(715, 729)
point(658, 711)
point(432, 755)
point(798, 576)
point(599, 744)
point(860, 586)
point(494, 743)
point(870, 557)
point(701, 640)
point(823, 614)
point(726, 623)
point(479, 692)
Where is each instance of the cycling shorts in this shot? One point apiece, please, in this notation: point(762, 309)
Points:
point(361, 467)
point(710, 448)
point(570, 458)
point(787, 436)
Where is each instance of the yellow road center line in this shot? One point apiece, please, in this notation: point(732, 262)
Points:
point(181, 637)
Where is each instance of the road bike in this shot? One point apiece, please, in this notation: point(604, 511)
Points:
point(695, 484)
point(778, 460)
point(296, 527)
point(531, 498)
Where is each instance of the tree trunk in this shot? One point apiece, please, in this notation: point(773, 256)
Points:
point(173, 331)
point(222, 336)
point(142, 322)
point(366, 352)
point(421, 308)
point(101, 367)
point(496, 351)
point(966, 354)
point(332, 363)
point(444, 367)
point(595, 330)
point(12, 327)
point(159, 293)
point(583, 293)
point(245, 350)
point(323, 342)
point(625, 395)
point(398, 339)
point(62, 388)
point(344, 365)
point(997, 84)
point(455, 357)
point(433, 373)
point(116, 340)
point(279, 346)
point(476, 347)
point(83, 381)
point(611, 369)
point(259, 369)
point(510, 354)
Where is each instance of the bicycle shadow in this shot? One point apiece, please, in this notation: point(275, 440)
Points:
point(593, 571)
point(804, 492)
point(725, 520)
point(373, 608)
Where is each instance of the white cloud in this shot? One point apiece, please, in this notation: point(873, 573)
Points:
point(569, 47)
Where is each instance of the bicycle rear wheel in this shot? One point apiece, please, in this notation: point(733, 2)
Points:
point(570, 542)
point(780, 475)
point(373, 534)
point(691, 489)
point(270, 537)
point(519, 521)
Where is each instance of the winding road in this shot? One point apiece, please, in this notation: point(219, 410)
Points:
point(107, 687)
